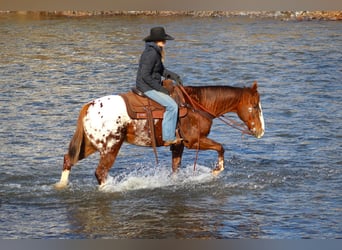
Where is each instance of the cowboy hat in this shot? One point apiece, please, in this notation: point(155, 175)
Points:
point(157, 34)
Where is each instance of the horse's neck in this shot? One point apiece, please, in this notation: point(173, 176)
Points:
point(218, 99)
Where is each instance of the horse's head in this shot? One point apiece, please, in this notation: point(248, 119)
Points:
point(250, 112)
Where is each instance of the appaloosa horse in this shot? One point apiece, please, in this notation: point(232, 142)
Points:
point(104, 124)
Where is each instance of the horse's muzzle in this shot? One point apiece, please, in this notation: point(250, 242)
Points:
point(258, 133)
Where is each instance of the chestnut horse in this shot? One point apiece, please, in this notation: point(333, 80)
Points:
point(104, 124)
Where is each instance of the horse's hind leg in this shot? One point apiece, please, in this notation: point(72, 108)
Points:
point(63, 182)
point(86, 150)
point(107, 160)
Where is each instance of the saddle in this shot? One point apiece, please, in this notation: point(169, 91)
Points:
point(140, 106)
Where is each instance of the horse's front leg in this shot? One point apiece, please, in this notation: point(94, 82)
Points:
point(177, 152)
point(208, 144)
point(220, 164)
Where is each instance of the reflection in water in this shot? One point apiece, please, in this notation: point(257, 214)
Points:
point(182, 210)
point(171, 217)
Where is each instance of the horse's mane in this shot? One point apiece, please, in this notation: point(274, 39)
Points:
point(215, 98)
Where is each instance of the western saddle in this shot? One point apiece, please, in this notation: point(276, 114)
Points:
point(140, 106)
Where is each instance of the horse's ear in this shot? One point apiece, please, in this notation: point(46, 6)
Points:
point(255, 86)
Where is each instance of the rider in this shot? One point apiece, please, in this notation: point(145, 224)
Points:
point(149, 81)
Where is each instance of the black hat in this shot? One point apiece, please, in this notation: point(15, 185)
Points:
point(157, 34)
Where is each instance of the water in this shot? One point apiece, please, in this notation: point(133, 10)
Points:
point(286, 185)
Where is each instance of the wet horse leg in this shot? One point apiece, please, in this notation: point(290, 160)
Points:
point(87, 150)
point(209, 144)
point(107, 160)
point(177, 152)
point(63, 182)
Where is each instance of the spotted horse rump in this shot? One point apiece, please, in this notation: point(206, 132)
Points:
point(105, 121)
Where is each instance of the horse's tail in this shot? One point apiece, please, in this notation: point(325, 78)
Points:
point(78, 138)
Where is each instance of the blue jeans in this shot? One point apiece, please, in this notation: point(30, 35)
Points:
point(171, 113)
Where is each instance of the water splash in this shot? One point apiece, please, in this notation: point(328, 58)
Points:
point(152, 177)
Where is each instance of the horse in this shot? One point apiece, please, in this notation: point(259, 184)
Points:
point(104, 124)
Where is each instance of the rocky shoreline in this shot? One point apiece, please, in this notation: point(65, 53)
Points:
point(281, 15)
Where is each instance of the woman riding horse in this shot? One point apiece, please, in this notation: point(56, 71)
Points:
point(149, 81)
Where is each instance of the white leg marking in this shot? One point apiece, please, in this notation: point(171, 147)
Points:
point(65, 176)
point(64, 180)
point(219, 168)
point(102, 186)
point(261, 117)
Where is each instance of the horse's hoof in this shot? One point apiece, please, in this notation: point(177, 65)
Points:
point(217, 171)
point(174, 176)
point(102, 187)
point(60, 185)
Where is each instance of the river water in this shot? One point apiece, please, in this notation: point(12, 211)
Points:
point(286, 185)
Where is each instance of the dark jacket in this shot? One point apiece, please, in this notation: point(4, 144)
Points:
point(151, 70)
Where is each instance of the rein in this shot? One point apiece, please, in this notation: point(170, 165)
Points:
point(234, 124)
